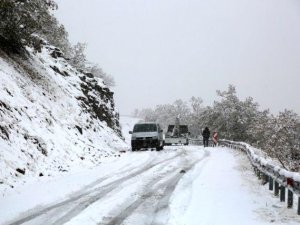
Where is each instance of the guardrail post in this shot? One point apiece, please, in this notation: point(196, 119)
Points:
point(270, 183)
point(258, 173)
point(265, 179)
point(276, 190)
point(282, 193)
point(290, 199)
point(298, 206)
point(255, 171)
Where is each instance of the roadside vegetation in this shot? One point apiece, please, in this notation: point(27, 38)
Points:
point(238, 120)
point(31, 23)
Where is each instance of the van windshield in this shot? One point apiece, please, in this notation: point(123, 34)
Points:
point(144, 128)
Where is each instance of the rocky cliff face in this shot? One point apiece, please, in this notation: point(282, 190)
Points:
point(98, 101)
point(53, 118)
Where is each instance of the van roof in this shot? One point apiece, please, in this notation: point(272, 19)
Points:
point(146, 123)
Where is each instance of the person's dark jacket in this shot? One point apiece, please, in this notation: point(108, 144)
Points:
point(206, 133)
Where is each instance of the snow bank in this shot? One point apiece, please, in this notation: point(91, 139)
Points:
point(267, 164)
point(223, 189)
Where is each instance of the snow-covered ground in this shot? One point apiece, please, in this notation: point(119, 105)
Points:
point(188, 185)
point(181, 185)
point(224, 190)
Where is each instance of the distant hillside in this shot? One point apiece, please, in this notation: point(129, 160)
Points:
point(53, 117)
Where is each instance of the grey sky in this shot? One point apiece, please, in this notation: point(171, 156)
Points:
point(162, 50)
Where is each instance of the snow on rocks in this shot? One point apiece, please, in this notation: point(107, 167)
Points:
point(53, 118)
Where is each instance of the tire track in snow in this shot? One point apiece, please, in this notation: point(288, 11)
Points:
point(164, 202)
point(80, 201)
point(166, 188)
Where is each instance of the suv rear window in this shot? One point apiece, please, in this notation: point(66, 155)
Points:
point(144, 128)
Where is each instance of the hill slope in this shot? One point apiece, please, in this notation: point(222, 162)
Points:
point(53, 118)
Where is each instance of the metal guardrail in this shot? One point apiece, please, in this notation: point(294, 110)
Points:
point(193, 141)
point(277, 178)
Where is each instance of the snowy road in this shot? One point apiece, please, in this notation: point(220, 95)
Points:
point(184, 185)
point(134, 194)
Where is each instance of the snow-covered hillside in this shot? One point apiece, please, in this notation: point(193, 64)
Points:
point(53, 118)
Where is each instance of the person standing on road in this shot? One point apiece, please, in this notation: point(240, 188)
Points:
point(205, 135)
point(215, 138)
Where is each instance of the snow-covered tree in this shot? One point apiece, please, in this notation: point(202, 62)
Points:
point(30, 23)
point(56, 34)
point(97, 71)
point(195, 112)
point(135, 113)
point(227, 115)
point(166, 114)
point(238, 120)
point(260, 129)
point(231, 117)
point(196, 105)
point(283, 144)
point(147, 114)
point(78, 58)
point(19, 19)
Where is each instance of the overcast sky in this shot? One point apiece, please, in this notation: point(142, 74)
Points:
point(162, 50)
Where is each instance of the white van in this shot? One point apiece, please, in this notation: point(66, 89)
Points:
point(147, 135)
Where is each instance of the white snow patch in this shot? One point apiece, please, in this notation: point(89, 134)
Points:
point(224, 190)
